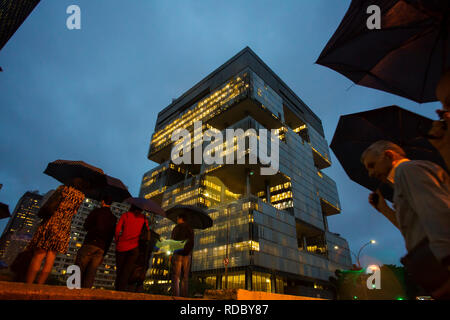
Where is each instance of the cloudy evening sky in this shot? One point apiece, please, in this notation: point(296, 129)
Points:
point(94, 94)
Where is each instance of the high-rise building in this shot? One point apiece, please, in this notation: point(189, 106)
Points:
point(12, 14)
point(21, 226)
point(271, 229)
point(106, 272)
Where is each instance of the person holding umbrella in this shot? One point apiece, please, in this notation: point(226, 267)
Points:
point(422, 212)
point(100, 225)
point(187, 218)
point(53, 234)
point(141, 239)
point(128, 231)
point(181, 259)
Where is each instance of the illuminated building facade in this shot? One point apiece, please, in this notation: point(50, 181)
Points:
point(272, 228)
point(106, 272)
point(21, 226)
point(12, 14)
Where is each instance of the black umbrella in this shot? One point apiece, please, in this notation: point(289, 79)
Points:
point(4, 211)
point(66, 170)
point(147, 205)
point(114, 188)
point(356, 132)
point(406, 57)
point(196, 217)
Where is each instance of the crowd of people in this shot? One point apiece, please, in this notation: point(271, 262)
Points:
point(134, 242)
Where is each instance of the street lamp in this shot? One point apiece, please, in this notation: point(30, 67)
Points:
point(359, 252)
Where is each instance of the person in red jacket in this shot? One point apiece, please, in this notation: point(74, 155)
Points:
point(128, 231)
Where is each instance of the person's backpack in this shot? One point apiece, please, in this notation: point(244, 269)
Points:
point(51, 205)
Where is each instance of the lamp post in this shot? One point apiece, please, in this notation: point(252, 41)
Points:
point(359, 252)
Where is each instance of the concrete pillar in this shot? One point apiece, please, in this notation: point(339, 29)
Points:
point(248, 279)
point(267, 191)
point(219, 281)
point(247, 185)
point(273, 283)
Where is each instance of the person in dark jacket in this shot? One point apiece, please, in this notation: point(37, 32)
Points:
point(100, 225)
point(181, 259)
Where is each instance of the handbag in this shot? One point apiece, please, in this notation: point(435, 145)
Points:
point(425, 269)
point(145, 232)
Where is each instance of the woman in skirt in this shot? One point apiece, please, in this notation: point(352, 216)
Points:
point(53, 235)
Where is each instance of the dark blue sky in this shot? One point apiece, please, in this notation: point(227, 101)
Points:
point(93, 94)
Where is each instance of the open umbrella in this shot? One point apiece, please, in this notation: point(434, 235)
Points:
point(406, 57)
point(114, 188)
point(4, 211)
point(66, 170)
point(356, 132)
point(196, 217)
point(147, 205)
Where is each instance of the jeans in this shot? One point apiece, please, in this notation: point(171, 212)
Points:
point(88, 258)
point(180, 264)
point(125, 264)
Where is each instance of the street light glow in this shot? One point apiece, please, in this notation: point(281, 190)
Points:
point(373, 241)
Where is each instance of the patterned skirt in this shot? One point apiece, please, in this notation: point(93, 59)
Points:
point(54, 234)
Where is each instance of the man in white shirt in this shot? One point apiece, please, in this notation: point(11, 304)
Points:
point(421, 201)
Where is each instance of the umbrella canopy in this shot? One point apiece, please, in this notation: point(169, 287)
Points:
point(356, 132)
point(114, 188)
point(66, 170)
point(147, 205)
point(406, 57)
point(4, 211)
point(196, 217)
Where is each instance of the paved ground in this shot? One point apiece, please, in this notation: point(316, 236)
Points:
point(22, 291)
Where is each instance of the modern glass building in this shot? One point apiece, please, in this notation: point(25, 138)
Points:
point(272, 229)
point(21, 226)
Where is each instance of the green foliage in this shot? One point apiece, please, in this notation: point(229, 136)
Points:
point(352, 285)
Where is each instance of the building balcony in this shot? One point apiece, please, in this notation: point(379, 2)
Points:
point(320, 161)
point(329, 209)
point(245, 108)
